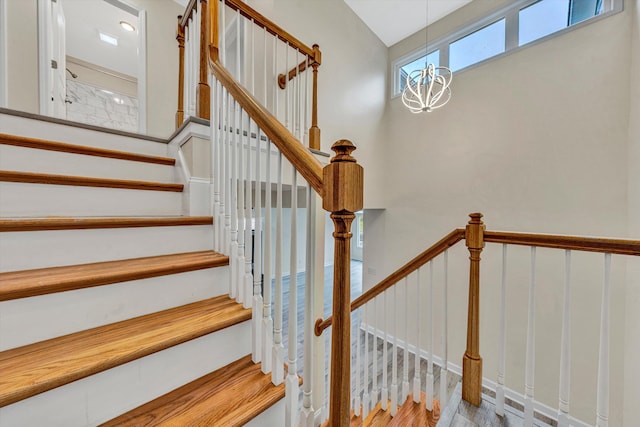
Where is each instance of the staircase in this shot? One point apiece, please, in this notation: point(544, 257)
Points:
point(113, 305)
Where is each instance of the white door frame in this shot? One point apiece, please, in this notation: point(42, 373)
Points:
point(43, 67)
point(3, 56)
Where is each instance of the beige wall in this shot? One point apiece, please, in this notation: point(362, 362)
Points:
point(352, 77)
point(537, 140)
point(632, 337)
point(22, 55)
point(162, 60)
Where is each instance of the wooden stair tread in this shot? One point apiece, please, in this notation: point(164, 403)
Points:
point(85, 181)
point(232, 395)
point(36, 368)
point(43, 144)
point(409, 414)
point(53, 223)
point(28, 283)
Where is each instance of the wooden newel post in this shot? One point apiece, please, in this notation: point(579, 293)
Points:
point(203, 91)
point(343, 196)
point(314, 131)
point(180, 38)
point(471, 361)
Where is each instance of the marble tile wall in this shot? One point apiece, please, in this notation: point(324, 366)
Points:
point(100, 107)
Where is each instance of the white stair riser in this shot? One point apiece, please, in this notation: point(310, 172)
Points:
point(22, 126)
point(272, 416)
point(48, 316)
point(38, 200)
point(26, 250)
point(22, 159)
point(103, 396)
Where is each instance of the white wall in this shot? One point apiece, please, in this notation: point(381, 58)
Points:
point(352, 77)
point(537, 140)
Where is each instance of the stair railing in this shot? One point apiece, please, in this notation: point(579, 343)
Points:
point(379, 311)
point(194, 92)
point(265, 185)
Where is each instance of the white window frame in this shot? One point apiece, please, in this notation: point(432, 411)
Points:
point(510, 14)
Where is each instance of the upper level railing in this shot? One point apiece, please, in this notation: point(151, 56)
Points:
point(382, 314)
point(194, 36)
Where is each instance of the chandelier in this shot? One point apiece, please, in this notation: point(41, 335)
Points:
point(427, 89)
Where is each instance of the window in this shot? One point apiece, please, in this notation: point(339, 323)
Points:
point(549, 16)
point(418, 64)
point(519, 23)
point(483, 44)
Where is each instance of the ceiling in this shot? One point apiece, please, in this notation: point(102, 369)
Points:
point(85, 19)
point(395, 20)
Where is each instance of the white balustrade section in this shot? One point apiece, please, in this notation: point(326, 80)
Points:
point(216, 130)
point(308, 412)
point(565, 347)
point(405, 352)
point(429, 309)
point(267, 320)
point(394, 354)
point(602, 397)
point(357, 403)
point(277, 374)
point(444, 392)
point(531, 346)
point(417, 387)
point(374, 358)
point(247, 278)
point(502, 336)
point(365, 396)
point(256, 313)
point(234, 142)
point(385, 356)
point(243, 223)
point(292, 386)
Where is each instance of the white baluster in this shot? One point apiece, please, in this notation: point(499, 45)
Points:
point(227, 179)
point(252, 55)
point(187, 72)
point(242, 221)
point(385, 357)
point(286, 87)
point(222, 163)
point(394, 355)
point(215, 158)
point(264, 73)
point(276, 111)
point(257, 256)
point(531, 347)
point(292, 386)
point(308, 412)
point(195, 69)
point(233, 255)
point(565, 347)
point(238, 65)
point(374, 357)
point(298, 110)
point(444, 369)
point(277, 374)
point(267, 323)
point(365, 396)
point(327, 350)
point(307, 119)
point(416, 362)
point(248, 241)
point(357, 404)
point(602, 399)
point(429, 379)
point(405, 353)
point(223, 34)
point(502, 339)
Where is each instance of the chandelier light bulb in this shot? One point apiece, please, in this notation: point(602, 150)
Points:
point(427, 89)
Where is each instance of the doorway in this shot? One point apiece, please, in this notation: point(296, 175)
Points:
point(92, 62)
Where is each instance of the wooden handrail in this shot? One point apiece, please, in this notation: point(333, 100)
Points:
point(589, 244)
point(292, 148)
point(443, 244)
point(184, 19)
point(263, 22)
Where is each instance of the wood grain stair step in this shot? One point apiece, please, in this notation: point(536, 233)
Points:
point(409, 414)
point(85, 181)
point(53, 223)
point(230, 396)
point(41, 281)
point(43, 144)
point(36, 368)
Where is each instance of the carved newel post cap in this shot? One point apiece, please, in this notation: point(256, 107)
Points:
point(476, 218)
point(475, 231)
point(343, 180)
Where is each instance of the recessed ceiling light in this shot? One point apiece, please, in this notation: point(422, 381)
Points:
point(127, 26)
point(108, 39)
